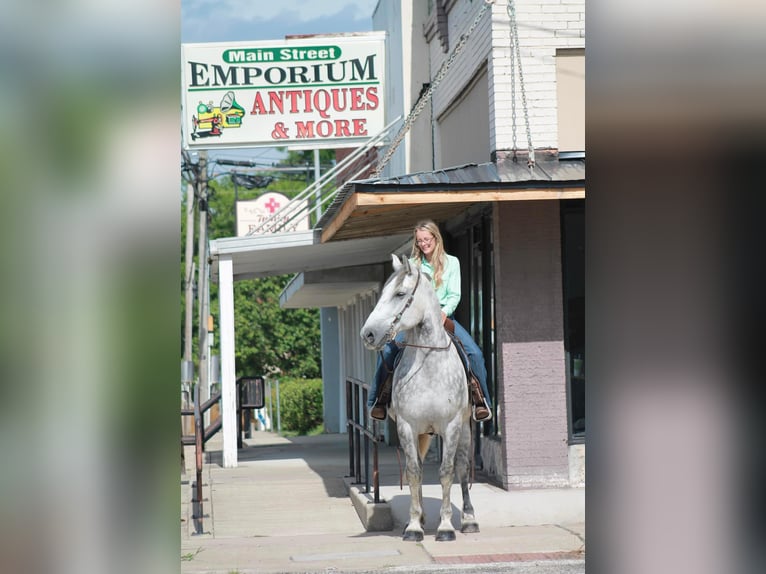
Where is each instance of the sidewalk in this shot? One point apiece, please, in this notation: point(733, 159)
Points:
point(286, 508)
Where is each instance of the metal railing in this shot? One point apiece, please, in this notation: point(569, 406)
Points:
point(199, 438)
point(359, 433)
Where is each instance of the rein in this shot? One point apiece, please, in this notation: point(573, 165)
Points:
point(403, 344)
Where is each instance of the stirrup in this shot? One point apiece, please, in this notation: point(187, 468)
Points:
point(378, 412)
point(480, 413)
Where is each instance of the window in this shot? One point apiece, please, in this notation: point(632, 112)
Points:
point(573, 273)
point(570, 97)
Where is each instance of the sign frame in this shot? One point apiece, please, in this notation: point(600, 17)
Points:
point(318, 91)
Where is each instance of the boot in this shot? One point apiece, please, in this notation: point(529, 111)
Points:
point(480, 410)
point(378, 410)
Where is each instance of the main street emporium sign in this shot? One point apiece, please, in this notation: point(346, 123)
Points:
point(317, 91)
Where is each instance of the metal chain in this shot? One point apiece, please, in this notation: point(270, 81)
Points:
point(421, 103)
point(513, 99)
point(516, 56)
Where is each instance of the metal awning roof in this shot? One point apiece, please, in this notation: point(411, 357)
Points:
point(394, 205)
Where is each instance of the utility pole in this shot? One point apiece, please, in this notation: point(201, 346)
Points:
point(318, 191)
point(189, 272)
point(187, 366)
point(202, 288)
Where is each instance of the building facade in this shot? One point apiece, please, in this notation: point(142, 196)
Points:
point(517, 230)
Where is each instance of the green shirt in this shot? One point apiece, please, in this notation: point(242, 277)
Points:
point(448, 292)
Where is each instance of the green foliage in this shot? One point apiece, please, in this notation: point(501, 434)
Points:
point(300, 157)
point(271, 339)
point(300, 402)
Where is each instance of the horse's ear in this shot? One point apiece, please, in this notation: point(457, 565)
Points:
point(396, 262)
point(406, 264)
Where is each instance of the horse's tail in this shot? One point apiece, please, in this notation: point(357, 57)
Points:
point(424, 442)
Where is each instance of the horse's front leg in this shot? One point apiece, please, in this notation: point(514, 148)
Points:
point(468, 521)
point(446, 476)
point(408, 440)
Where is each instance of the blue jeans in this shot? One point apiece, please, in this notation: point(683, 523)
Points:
point(391, 351)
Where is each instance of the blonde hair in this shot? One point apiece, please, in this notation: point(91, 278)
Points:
point(438, 259)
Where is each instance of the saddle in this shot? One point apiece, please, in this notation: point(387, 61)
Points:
point(449, 326)
point(480, 412)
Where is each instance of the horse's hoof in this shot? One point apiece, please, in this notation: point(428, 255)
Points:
point(412, 536)
point(445, 535)
point(469, 528)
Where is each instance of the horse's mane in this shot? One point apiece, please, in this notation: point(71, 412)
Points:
point(398, 277)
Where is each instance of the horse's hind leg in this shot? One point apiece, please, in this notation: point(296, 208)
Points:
point(462, 468)
point(408, 440)
point(446, 477)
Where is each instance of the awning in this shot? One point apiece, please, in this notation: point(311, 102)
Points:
point(331, 287)
point(287, 253)
point(394, 205)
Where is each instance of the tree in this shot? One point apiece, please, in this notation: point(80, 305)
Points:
point(306, 157)
point(271, 339)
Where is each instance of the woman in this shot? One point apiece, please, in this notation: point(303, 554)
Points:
point(428, 254)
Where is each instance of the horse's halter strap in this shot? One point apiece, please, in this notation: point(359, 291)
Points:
point(392, 329)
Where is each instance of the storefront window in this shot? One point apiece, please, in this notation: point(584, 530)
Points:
point(573, 271)
point(476, 312)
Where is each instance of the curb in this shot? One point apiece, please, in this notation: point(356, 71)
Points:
point(375, 517)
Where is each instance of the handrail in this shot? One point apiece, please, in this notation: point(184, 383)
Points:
point(198, 439)
point(190, 439)
point(357, 423)
point(294, 208)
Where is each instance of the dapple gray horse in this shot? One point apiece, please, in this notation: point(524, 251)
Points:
point(430, 392)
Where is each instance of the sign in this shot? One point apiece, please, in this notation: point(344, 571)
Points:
point(317, 91)
point(252, 213)
point(251, 393)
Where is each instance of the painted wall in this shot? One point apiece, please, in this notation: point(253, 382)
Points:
point(530, 336)
point(353, 358)
point(464, 127)
point(328, 319)
point(408, 69)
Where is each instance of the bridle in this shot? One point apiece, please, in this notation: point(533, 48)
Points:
point(392, 329)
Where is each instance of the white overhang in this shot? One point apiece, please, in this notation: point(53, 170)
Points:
point(332, 287)
point(296, 252)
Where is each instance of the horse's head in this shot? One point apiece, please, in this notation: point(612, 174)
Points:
point(396, 309)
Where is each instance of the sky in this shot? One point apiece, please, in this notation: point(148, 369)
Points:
point(257, 20)
point(244, 20)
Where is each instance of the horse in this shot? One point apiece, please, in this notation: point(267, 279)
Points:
point(430, 392)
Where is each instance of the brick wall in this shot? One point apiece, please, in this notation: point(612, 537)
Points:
point(531, 378)
point(543, 26)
